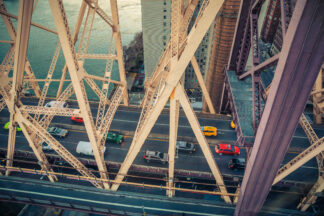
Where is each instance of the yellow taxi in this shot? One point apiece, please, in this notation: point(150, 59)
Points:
point(209, 130)
point(232, 125)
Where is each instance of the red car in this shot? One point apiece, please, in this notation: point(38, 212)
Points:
point(77, 119)
point(227, 149)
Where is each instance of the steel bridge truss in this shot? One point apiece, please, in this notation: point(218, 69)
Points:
point(166, 79)
point(275, 125)
point(272, 132)
point(34, 120)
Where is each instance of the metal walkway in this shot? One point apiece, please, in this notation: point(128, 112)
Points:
point(240, 99)
point(79, 198)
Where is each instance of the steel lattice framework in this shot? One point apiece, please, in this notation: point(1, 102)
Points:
point(35, 120)
point(291, 87)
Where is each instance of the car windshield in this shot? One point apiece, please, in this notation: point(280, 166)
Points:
point(188, 145)
point(234, 160)
point(57, 130)
point(231, 147)
point(241, 160)
point(161, 155)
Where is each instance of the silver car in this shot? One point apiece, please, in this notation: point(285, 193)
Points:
point(185, 146)
point(156, 156)
point(59, 132)
point(58, 104)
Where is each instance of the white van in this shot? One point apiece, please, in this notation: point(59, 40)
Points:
point(85, 148)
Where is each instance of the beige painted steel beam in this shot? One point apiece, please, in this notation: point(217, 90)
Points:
point(12, 33)
point(316, 98)
point(192, 41)
point(44, 80)
point(2, 104)
point(56, 146)
point(173, 133)
point(202, 85)
point(194, 123)
point(165, 58)
point(75, 38)
point(7, 41)
point(94, 77)
point(94, 4)
point(5, 13)
point(48, 80)
point(109, 115)
point(119, 49)
point(50, 111)
point(300, 159)
point(104, 118)
point(7, 63)
point(96, 89)
point(105, 84)
point(86, 33)
point(96, 56)
point(311, 197)
point(176, 15)
point(76, 73)
point(21, 45)
point(37, 149)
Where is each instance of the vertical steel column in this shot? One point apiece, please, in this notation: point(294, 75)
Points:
point(119, 48)
point(21, 45)
point(75, 38)
point(301, 57)
point(194, 123)
point(12, 32)
point(174, 119)
point(201, 82)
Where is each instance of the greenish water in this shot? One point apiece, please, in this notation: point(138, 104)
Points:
point(42, 43)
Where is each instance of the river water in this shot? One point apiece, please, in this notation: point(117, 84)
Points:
point(42, 43)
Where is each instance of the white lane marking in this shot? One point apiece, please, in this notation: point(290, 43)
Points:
point(163, 124)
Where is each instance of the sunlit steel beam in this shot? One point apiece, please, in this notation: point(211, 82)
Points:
point(21, 45)
point(76, 73)
point(204, 20)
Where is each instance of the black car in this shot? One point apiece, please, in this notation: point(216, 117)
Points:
point(237, 163)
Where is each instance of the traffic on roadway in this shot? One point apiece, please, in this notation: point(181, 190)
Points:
point(193, 159)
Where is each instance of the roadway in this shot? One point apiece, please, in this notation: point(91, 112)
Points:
point(126, 120)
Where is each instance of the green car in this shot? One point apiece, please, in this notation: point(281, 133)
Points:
point(114, 138)
point(6, 126)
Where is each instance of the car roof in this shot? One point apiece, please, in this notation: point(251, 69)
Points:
point(241, 160)
point(209, 128)
point(225, 146)
point(181, 143)
point(152, 153)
